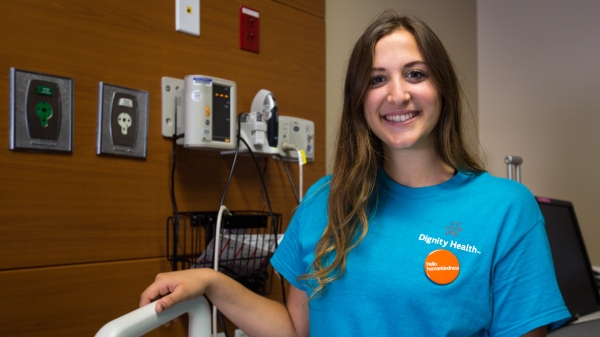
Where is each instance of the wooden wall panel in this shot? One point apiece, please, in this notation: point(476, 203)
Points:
point(314, 7)
point(75, 300)
point(78, 300)
point(82, 207)
point(65, 217)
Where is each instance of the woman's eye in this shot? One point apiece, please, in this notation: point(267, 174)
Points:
point(375, 80)
point(415, 75)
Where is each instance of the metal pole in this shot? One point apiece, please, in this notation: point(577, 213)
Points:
point(513, 163)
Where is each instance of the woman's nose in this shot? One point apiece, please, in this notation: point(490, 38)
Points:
point(398, 93)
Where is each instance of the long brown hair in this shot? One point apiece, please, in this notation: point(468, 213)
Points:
point(359, 152)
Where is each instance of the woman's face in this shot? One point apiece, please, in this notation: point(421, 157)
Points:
point(402, 106)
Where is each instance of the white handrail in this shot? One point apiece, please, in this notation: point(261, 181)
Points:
point(146, 319)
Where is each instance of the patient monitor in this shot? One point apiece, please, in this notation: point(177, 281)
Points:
point(201, 111)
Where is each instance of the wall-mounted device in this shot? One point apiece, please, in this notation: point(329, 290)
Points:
point(299, 132)
point(265, 102)
point(41, 112)
point(201, 109)
point(249, 29)
point(259, 127)
point(122, 121)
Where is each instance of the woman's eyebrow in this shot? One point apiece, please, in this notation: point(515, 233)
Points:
point(414, 63)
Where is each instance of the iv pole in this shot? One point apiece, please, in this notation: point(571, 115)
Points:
point(513, 165)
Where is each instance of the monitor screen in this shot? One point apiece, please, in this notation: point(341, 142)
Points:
point(222, 113)
point(573, 269)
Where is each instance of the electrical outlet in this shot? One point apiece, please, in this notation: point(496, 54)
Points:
point(249, 29)
point(187, 16)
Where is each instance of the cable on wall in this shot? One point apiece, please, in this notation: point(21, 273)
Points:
point(287, 146)
point(174, 203)
point(287, 171)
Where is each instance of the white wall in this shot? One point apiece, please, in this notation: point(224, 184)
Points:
point(539, 97)
point(453, 21)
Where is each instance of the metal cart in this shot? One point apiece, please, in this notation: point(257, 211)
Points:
point(248, 240)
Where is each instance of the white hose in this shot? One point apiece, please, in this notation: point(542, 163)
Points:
point(216, 260)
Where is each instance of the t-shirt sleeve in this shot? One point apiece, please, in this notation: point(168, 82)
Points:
point(287, 259)
point(295, 253)
point(525, 292)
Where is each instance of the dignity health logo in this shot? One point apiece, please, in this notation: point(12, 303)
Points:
point(453, 229)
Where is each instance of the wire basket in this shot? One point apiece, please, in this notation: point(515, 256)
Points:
point(248, 240)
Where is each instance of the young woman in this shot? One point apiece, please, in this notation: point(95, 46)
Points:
point(409, 236)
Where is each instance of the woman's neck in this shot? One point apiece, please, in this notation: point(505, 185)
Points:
point(416, 168)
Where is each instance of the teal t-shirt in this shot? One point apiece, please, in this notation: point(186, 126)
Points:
point(492, 226)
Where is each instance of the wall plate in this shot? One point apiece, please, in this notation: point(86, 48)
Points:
point(122, 121)
point(187, 16)
point(169, 87)
point(41, 112)
point(249, 29)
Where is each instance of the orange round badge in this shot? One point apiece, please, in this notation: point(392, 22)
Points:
point(442, 267)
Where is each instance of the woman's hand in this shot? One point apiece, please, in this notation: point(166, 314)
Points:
point(175, 287)
point(255, 314)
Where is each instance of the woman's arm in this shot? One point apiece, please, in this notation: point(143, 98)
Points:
point(297, 305)
point(254, 314)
